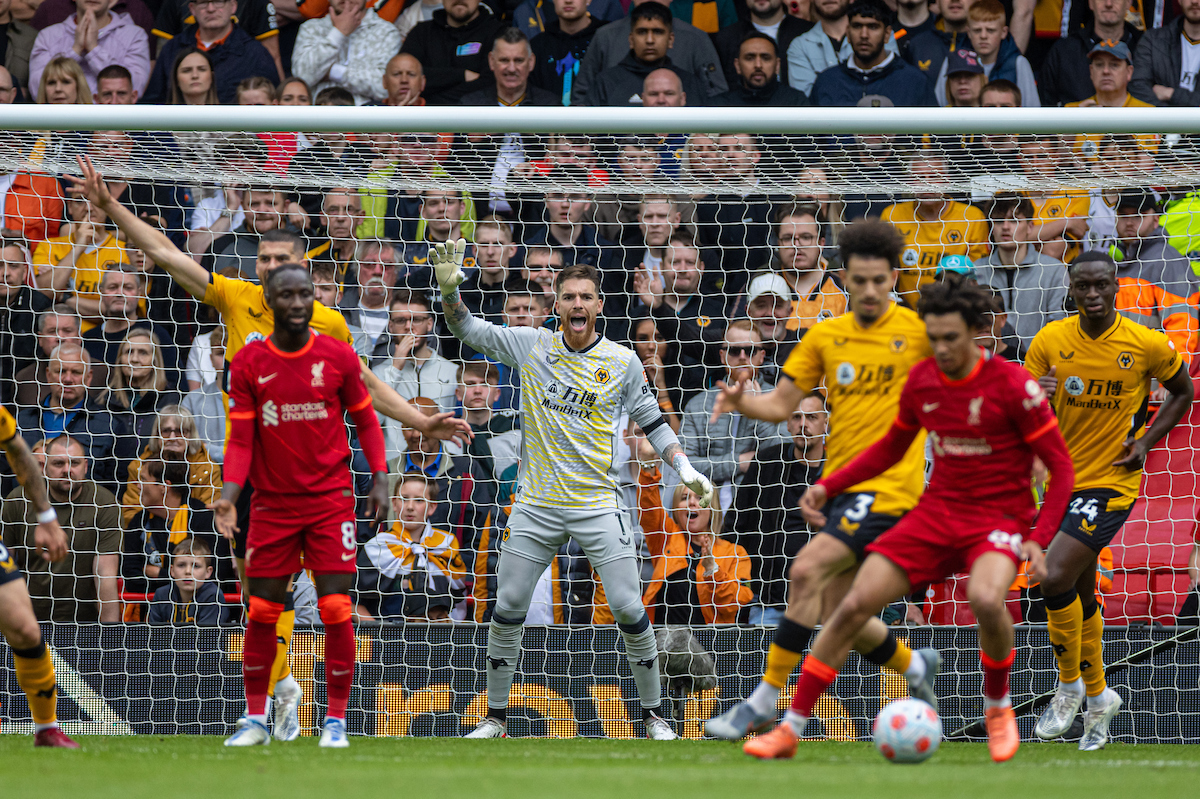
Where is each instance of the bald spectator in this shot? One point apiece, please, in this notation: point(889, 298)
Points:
point(120, 290)
point(341, 213)
point(18, 36)
point(234, 53)
point(650, 38)
point(403, 81)
point(453, 48)
point(511, 63)
point(55, 326)
point(349, 47)
point(67, 409)
point(558, 51)
point(663, 89)
point(756, 80)
point(691, 50)
point(95, 37)
point(83, 586)
point(114, 86)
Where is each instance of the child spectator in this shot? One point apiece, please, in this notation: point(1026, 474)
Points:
point(423, 563)
point(191, 598)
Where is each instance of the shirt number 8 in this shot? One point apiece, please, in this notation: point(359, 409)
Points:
point(348, 542)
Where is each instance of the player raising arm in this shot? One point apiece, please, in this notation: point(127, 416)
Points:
point(287, 399)
point(212, 289)
point(987, 419)
point(35, 669)
point(575, 384)
point(248, 317)
point(863, 358)
point(1096, 368)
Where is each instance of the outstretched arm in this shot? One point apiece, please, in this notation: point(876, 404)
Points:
point(776, 405)
point(179, 265)
point(874, 460)
point(49, 537)
point(442, 426)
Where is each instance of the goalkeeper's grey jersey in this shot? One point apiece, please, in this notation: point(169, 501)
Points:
point(570, 406)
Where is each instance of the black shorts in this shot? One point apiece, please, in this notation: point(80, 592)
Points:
point(8, 566)
point(1089, 521)
point(238, 547)
point(849, 519)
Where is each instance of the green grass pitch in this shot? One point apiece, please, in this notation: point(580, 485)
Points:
point(442, 768)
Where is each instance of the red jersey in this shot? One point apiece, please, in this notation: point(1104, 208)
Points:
point(296, 402)
point(984, 431)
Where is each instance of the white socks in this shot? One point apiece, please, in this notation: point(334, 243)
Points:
point(795, 721)
point(764, 699)
point(916, 668)
point(1074, 688)
point(1005, 701)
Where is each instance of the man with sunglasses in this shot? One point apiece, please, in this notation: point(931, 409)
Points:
point(726, 447)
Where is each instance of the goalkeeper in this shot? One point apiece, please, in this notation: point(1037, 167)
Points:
point(575, 384)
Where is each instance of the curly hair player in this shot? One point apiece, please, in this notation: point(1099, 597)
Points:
point(987, 420)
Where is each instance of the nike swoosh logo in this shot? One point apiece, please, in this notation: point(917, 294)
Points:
point(930, 407)
point(347, 557)
point(268, 378)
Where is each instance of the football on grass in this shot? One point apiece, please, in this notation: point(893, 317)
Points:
point(907, 731)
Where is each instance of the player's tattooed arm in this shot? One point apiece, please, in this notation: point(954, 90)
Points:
point(668, 454)
point(455, 310)
point(28, 473)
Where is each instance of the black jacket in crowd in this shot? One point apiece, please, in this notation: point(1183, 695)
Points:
point(557, 56)
point(1065, 77)
point(759, 516)
point(775, 93)
point(619, 84)
point(1159, 61)
point(18, 338)
point(729, 39)
point(447, 53)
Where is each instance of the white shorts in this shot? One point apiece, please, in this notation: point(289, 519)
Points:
point(537, 533)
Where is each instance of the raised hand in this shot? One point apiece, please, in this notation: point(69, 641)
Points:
point(728, 399)
point(91, 185)
point(447, 265)
point(445, 427)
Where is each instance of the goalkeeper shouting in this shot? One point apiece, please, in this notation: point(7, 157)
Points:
point(574, 386)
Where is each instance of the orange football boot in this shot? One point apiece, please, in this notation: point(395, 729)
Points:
point(778, 744)
point(1003, 738)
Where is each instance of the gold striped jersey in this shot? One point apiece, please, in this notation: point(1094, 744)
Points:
point(571, 406)
point(1103, 384)
point(863, 370)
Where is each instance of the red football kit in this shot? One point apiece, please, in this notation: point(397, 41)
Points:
point(984, 431)
point(288, 436)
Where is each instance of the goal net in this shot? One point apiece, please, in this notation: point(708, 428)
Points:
point(717, 251)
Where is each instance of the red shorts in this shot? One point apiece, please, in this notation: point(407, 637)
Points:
point(284, 527)
point(935, 540)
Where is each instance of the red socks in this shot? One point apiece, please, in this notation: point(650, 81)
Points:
point(339, 651)
point(258, 656)
point(995, 676)
point(815, 677)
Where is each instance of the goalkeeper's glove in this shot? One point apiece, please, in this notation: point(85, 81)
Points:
point(447, 265)
point(698, 483)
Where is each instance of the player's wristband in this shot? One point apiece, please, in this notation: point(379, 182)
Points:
point(47, 516)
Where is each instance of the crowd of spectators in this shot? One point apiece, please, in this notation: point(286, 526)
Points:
point(115, 374)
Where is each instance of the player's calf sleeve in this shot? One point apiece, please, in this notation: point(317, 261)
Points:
point(1064, 621)
point(995, 679)
point(815, 678)
point(1091, 650)
point(642, 651)
point(336, 611)
point(258, 654)
point(503, 649)
point(35, 675)
point(791, 639)
point(281, 668)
